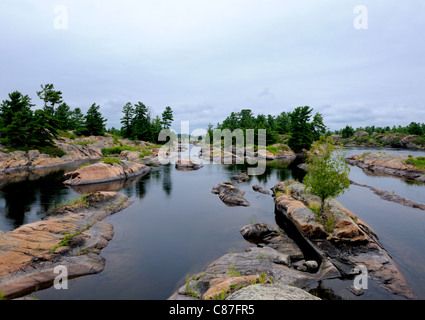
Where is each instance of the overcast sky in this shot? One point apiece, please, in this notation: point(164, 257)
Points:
point(206, 58)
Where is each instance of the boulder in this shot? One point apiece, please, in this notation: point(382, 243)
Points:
point(260, 189)
point(257, 232)
point(230, 195)
point(240, 177)
point(188, 165)
point(129, 155)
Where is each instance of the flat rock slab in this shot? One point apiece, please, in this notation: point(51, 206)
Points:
point(271, 292)
point(30, 253)
point(101, 172)
point(388, 164)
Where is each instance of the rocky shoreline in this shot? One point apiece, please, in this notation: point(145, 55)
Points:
point(71, 236)
point(282, 260)
point(389, 196)
point(269, 264)
point(389, 164)
point(349, 242)
point(382, 140)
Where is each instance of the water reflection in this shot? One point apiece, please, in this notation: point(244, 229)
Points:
point(28, 200)
point(107, 186)
point(325, 293)
point(282, 169)
point(167, 183)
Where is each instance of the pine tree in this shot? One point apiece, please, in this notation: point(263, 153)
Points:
point(318, 127)
point(301, 129)
point(283, 123)
point(21, 128)
point(15, 120)
point(94, 122)
point(156, 127)
point(50, 97)
point(41, 131)
point(167, 118)
point(77, 122)
point(141, 122)
point(126, 121)
point(63, 117)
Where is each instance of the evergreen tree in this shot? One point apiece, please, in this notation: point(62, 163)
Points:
point(301, 129)
point(15, 120)
point(167, 118)
point(231, 122)
point(318, 127)
point(415, 128)
point(126, 121)
point(21, 128)
point(246, 120)
point(77, 122)
point(41, 130)
point(140, 124)
point(156, 127)
point(50, 97)
point(94, 122)
point(63, 117)
point(347, 132)
point(271, 122)
point(210, 132)
point(283, 123)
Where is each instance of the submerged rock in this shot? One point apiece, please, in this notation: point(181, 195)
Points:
point(240, 177)
point(390, 196)
point(260, 189)
point(230, 195)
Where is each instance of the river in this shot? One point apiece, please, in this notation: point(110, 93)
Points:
point(176, 227)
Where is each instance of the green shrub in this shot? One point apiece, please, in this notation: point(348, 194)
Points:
point(118, 150)
point(111, 161)
point(52, 151)
point(145, 153)
point(273, 150)
point(418, 162)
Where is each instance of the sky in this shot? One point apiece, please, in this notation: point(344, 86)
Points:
point(357, 63)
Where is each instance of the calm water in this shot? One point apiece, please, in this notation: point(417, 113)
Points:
point(176, 227)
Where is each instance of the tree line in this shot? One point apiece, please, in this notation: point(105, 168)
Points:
point(302, 127)
point(138, 124)
point(414, 128)
point(21, 128)
point(24, 129)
